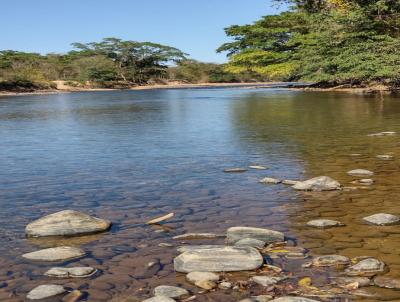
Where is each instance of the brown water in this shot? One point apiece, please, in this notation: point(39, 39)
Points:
point(133, 155)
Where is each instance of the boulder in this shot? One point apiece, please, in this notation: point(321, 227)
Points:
point(250, 242)
point(318, 184)
point(382, 219)
point(324, 223)
point(66, 223)
point(235, 234)
point(194, 277)
point(45, 291)
point(360, 172)
point(72, 272)
point(170, 291)
point(367, 268)
point(220, 259)
point(61, 253)
point(330, 260)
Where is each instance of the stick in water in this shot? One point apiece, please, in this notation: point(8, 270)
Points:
point(160, 219)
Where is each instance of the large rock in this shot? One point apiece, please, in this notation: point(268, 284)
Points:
point(235, 234)
point(293, 299)
point(330, 260)
point(324, 223)
point(61, 253)
point(360, 172)
point(321, 183)
point(66, 223)
point(45, 291)
point(220, 259)
point(382, 219)
point(71, 272)
point(170, 291)
point(367, 268)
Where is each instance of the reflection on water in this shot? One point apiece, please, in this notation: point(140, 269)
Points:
point(132, 155)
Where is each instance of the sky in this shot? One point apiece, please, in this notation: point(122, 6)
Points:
point(194, 26)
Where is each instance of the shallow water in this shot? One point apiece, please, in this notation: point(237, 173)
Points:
point(129, 156)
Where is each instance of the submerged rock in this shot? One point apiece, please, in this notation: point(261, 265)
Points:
point(382, 219)
point(225, 285)
point(250, 242)
point(202, 276)
point(235, 234)
point(293, 299)
point(261, 298)
point(324, 223)
point(387, 282)
point(73, 296)
point(220, 259)
point(235, 170)
point(290, 182)
point(73, 272)
point(366, 181)
point(61, 253)
point(270, 180)
point(330, 260)
point(258, 167)
point(170, 291)
point(190, 248)
point(267, 280)
point(198, 236)
point(159, 299)
point(321, 183)
point(45, 291)
point(360, 172)
point(345, 281)
point(66, 223)
point(206, 284)
point(366, 268)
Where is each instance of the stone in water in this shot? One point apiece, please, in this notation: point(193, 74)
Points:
point(73, 272)
point(45, 291)
point(382, 219)
point(235, 234)
point(61, 253)
point(321, 183)
point(324, 223)
point(170, 291)
point(360, 172)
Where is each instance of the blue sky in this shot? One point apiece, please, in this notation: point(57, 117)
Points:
point(194, 26)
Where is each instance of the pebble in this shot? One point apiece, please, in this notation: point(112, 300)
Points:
point(366, 268)
point(202, 276)
point(73, 296)
point(206, 284)
point(324, 223)
point(73, 272)
point(387, 282)
point(293, 299)
point(61, 253)
point(385, 157)
point(267, 280)
point(66, 223)
point(361, 281)
point(330, 260)
point(159, 299)
point(270, 180)
point(258, 167)
point(385, 133)
point(360, 172)
point(366, 181)
point(235, 234)
point(382, 219)
point(321, 183)
point(45, 291)
point(261, 298)
point(170, 291)
point(189, 236)
point(225, 285)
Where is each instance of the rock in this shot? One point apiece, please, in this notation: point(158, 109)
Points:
point(206, 284)
point(382, 219)
point(366, 268)
point(387, 282)
point(189, 236)
point(66, 223)
point(73, 272)
point(290, 182)
point(262, 298)
point(270, 180)
point(235, 234)
point(330, 260)
point(321, 183)
point(164, 244)
point(61, 253)
point(250, 242)
point(73, 296)
point(324, 223)
point(361, 281)
point(225, 285)
point(235, 170)
point(45, 291)
point(202, 276)
point(293, 299)
point(267, 280)
point(385, 157)
point(366, 181)
point(360, 172)
point(258, 167)
point(220, 259)
point(385, 133)
point(161, 219)
point(190, 248)
point(159, 299)
point(170, 291)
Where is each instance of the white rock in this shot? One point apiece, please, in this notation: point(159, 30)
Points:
point(366, 268)
point(382, 219)
point(45, 291)
point(321, 183)
point(267, 280)
point(225, 259)
point(290, 182)
point(360, 172)
point(293, 299)
point(189, 236)
point(258, 167)
point(61, 253)
point(250, 242)
point(225, 285)
point(193, 277)
point(72, 272)
point(385, 157)
point(330, 260)
point(324, 223)
point(159, 299)
point(270, 180)
point(170, 291)
point(235, 234)
point(66, 223)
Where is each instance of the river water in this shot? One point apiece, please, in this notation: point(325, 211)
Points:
point(129, 156)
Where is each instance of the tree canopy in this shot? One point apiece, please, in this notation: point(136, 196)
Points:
point(328, 41)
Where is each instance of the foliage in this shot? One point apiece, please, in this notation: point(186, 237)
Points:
point(330, 41)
